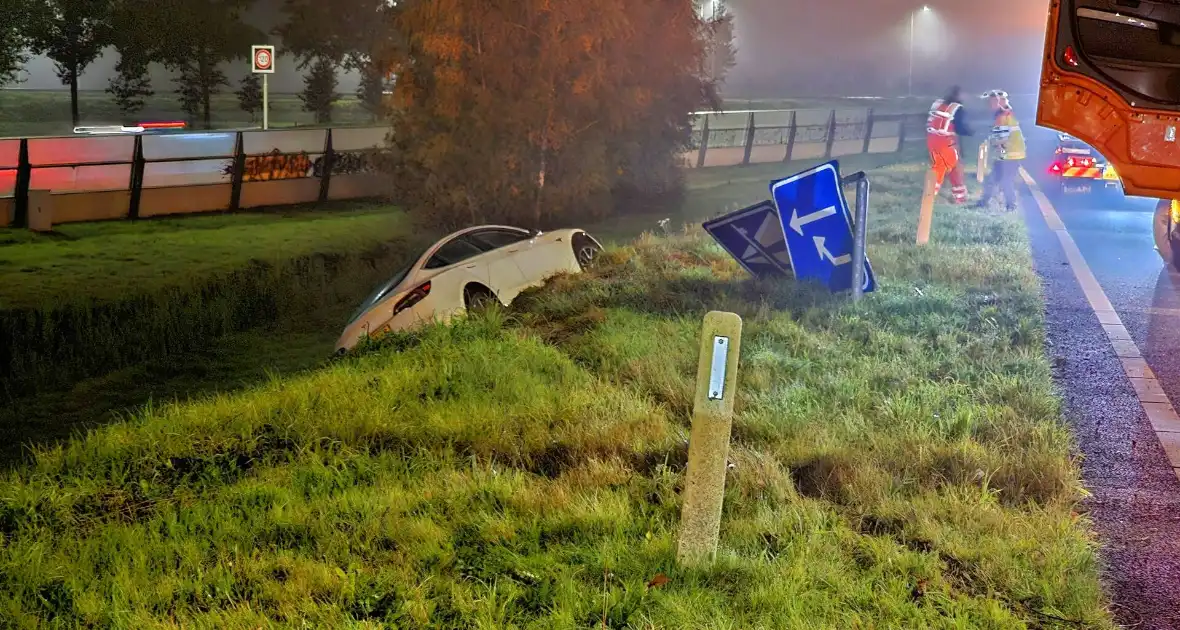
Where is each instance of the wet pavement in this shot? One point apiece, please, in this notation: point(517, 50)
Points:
point(1136, 493)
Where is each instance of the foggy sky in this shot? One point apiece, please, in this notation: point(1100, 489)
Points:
point(264, 15)
point(804, 48)
point(855, 47)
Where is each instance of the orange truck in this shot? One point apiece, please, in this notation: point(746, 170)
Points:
point(1110, 78)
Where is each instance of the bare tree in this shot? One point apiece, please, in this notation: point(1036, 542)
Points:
point(72, 33)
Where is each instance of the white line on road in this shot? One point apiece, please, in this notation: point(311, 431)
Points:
point(1164, 420)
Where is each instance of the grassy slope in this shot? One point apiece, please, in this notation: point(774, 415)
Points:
point(112, 260)
point(47, 112)
point(900, 463)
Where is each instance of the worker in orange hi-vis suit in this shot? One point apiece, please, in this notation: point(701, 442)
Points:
point(947, 121)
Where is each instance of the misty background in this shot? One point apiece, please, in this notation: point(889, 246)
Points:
point(785, 48)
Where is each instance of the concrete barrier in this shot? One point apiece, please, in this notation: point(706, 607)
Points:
point(99, 177)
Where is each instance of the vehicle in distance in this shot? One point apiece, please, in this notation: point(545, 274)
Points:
point(465, 271)
point(140, 128)
point(1078, 168)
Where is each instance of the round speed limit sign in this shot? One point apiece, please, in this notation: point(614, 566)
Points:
point(264, 58)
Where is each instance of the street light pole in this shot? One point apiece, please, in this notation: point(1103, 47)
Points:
point(910, 88)
point(913, 17)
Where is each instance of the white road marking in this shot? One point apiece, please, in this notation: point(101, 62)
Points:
point(1164, 420)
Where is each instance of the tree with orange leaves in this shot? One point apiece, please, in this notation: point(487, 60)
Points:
point(539, 112)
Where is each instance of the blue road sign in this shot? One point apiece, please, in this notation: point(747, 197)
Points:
point(754, 237)
point(818, 227)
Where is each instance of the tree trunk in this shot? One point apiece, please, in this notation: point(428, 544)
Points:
point(74, 95)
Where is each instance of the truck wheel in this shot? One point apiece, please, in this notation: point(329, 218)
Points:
point(1164, 230)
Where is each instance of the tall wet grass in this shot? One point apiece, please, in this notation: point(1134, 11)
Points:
point(899, 463)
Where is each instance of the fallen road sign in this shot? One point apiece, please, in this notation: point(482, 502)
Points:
point(754, 237)
point(819, 235)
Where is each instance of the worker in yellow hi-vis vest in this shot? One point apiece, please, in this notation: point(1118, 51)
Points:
point(1005, 148)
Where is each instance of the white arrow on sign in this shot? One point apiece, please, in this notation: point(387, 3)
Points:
point(824, 253)
point(797, 222)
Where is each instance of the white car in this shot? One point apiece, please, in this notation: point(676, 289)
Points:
point(463, 271)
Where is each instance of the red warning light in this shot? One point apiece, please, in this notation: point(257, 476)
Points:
point(164, 125)
point(1071, 57)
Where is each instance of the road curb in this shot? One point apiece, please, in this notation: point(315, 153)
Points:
point(1165, 422)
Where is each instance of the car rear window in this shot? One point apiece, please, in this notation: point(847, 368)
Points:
point(453, 252)
point(380, 294)
point(493, 239)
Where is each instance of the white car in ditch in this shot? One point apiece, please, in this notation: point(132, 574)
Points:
point(464, 271)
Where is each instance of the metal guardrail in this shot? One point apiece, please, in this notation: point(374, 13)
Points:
point(796, 132)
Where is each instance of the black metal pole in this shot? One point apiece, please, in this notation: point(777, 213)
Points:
point(24, 175)
point(239, 172)
point(138, 165)
point(328, 162)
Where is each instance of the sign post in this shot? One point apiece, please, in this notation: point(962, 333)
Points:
point(708, 444)
point(262, 61)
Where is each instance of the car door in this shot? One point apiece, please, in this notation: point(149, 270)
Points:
point(542, 257)
point(501, 247)
point(451, 267)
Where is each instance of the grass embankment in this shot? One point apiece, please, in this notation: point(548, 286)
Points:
point(47, 112)
point(134, 299)
point(93, 298)
point(897, 463)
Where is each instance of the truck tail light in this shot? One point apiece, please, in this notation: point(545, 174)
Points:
point(1071, 57)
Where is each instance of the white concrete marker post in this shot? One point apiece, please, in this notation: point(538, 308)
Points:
point(262, 61)
point(708, 446)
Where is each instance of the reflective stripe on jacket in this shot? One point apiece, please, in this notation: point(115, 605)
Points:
point(941, 121)
point(1006, 137)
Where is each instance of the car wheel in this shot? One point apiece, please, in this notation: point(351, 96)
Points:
point(477, 298)
point(1167, 242)
point(585, 251)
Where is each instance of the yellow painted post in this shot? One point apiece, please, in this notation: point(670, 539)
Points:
point(708, 446)
point(926, 213)
point(981, 165)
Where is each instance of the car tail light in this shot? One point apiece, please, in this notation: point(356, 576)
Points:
point(415, 296)
point(1055, 168)
point(1079, 162)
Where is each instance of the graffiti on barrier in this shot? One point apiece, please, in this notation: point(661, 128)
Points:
point(276, 165)
point(349, 163)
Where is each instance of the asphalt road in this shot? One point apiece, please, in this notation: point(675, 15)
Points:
point(1136, 493)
